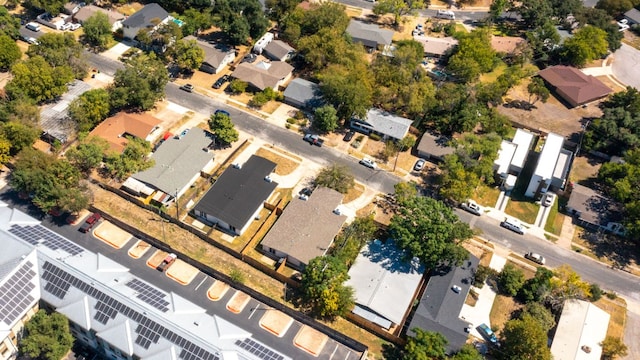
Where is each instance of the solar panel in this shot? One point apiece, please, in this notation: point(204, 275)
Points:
point(149, 332)
point(149, 294)
point(258, 349)
point(38, 234)
point(15, 294)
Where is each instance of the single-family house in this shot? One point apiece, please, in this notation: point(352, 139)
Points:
point(573, 86)
point(306, 228)
point(385, 284)
point(114, 17)
point(236, 198)
point(436, 47)
point(259, 46)
point(72, 7)
point(633, 16)
point(116, 129)
point(552, 167)
point(434, 147)
point(370, 36)
point(54, 117)
point(439, 307)
point(580, 332)
point(302, 94)
point(179, 162)
point(523, 139)
point(216, 57)
point(54, 22)
point(509, 45)
point(149, 17)
point(279, 50)
point(264, 74)
point(592, 209)
point(383, 123)
point(505, 156)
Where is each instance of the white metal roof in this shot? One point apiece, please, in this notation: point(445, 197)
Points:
point(523, 140)
point(581, 324)
point(549, 156)
point(505, 156)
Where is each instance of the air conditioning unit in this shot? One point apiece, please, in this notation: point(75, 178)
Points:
point(236, 166)
point(337, 211)
point(267, 179)
point(303, 197)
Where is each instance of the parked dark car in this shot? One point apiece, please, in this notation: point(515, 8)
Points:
point(313, 140)
point(348, 136)
point(250, 58)
point(223, 112)
point(90, 222)
point(223, 79)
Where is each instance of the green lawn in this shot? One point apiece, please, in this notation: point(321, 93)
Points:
point(555, 219)
point(486, 195)
point(492, 76)
point(519, 206)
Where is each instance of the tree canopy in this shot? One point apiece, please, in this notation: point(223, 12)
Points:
point(9, 24)
point(88, 155)
point(524, 338)
point(61, 50)
point(221, 125)
point(473, 55)
point(349, 89)
point(398, 8)
point(46, 336)
point(241, 19)
point(90, 108)
point(322, 288)
point(97, 30)
point(326, 118)
point(336, 177)
point(430, 230)
point(9, 52)
point(587, 44)
point(510, 280)
point(425, 345)
point(133, 159)
point(352, 238)
point(187, 55)
point(36, 79)
point(19, 135)
point(140, 84)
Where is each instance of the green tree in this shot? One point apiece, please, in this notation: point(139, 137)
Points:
point(600, 19)
point(188, 55)
point(425, 345)
point(538, 287)
point(353, 237)
point(430, 230)
point(473, 55)
point(327, 15)
point(456, 181)
point(496, 8)
point(587, 44)
point(325, 118)
point(19, 135)
point(565, 285)
point(21, 110)
point(543, 40)
point(616, 8)
point(9, 24)
point(61, 50)
point(539, 90)
point(350, 90)
point(9, 52)
point(336, 177)
point(221, 125)
point(510, 280)
point(97, 30)
point(53, 7)
point(140, 84)
point(524, 338)
point(47, 336)
point(88, 155)
point(238, 86)
point(133, 159)
point(235, 17)
point(467, 352)
point(195, 21)
point(613, 347)
point(534, 13)
point(329, 46)
point(280, 9)
point(36, 79)
point(398, 8)
point(405, 190)
point(5, 150)
point(322, 287)
point(540, 313)
point(90, 108)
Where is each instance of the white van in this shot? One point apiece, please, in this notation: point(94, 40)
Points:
point(513, 225)
point(33, 26)
point(445, 14)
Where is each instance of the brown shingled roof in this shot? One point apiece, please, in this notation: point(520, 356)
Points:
point(573, 85)
point(114, 128)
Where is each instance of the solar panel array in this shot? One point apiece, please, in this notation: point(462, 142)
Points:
point(258, 349)
point(38, 234)
point(149, 294)
point(148, 330)
point(15, 294)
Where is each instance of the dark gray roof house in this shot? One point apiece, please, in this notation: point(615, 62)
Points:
point(279, 50)
point(238, 195)
point(592, 208)
point(369, 35)
point(302, 93)
point(179, 162)
point(149, 17)
point(216, 57)
point(434, 147)
point(633, 16)
point(439, 307)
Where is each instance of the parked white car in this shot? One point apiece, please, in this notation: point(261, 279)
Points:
point(537, 258)
point(369, 163)
point(513, 225)
point(548, 199)
point(472, 207)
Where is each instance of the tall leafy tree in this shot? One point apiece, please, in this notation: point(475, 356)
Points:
point(349, 89)
point(425, 345)
point(497, 7)
point(53, 7)
point(90, 108)
point(587, 44)
point(5, 148)
point(322, 288)
point(97, 30)
point(195, 21)
point(140, 84)
point(187, 55)
point(221, 125)
point(621, 182)
point(88, 155)
point(473, 55)
point(524, 338)
point(133, 159)
point(538, 287)
point(280, 9)
point(9, 52)
point(398, 8)
point(233, 15)
point(47, 336)
point(61, 50)
point(9, 24)
point(602, 20)
point(510, 280)
point(534, 13)
point(325, 118)
point(467, 352)
point(543, 40)
point(430, 230)
point(616, 7)
point(353, 237)
point(538, 90)
point(540, 313)
point(20, 135)
point(336, 177)
point(36, 79)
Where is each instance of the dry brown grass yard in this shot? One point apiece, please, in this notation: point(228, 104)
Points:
point(617, 308)
point(285, 165)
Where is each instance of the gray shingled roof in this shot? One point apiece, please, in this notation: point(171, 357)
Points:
point(278, 49)
point(439, 308)
point(435, 146)
point(370, 35)
point(594, 207)
point(212, 54)
point(177, 161)
point(142, 18)
point(303, 91)
point(388, 124)
point(306, 228)
point(237, 193)
point(633, 15)
point(263, 74)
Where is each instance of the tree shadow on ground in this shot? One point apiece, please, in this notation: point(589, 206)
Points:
point(621, 251)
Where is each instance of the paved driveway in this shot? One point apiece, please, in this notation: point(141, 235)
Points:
point(626, 64)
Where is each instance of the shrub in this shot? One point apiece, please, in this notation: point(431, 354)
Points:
point(612, 295)
point(360, 138)
point(510, 280)
point(596, 292)
point(291, 121)
point(258, 100)
point(299, 115)
point(238, 87)
point(482, 274)
point(375, 137)
point(236, 276)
